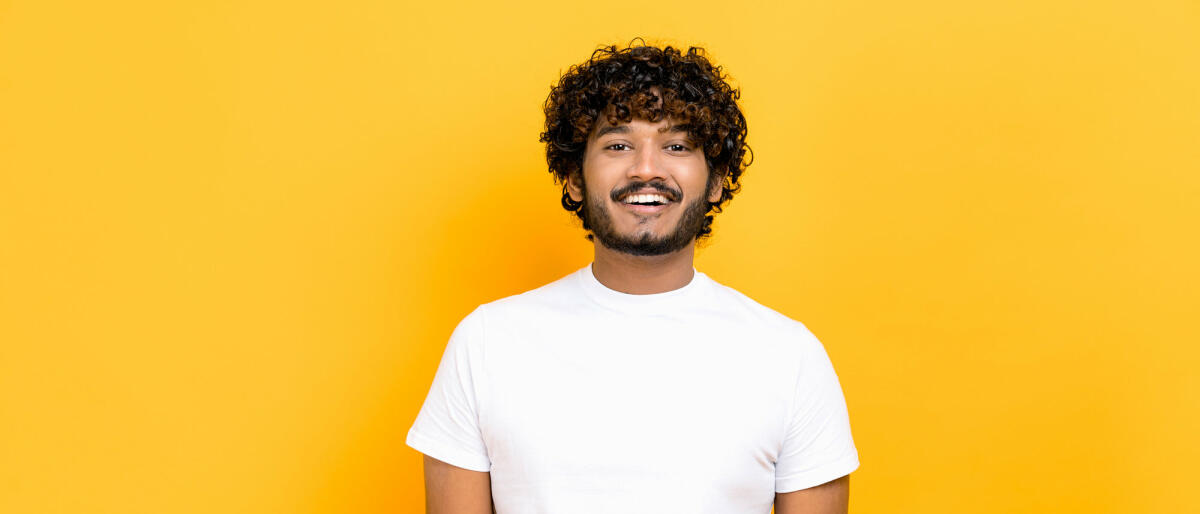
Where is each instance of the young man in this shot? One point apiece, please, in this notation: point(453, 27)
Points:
point(637, 383)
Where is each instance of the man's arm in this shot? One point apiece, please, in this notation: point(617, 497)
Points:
point(829, 498)
point(450, 489)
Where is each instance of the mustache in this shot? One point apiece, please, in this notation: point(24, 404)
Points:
point(637, 186)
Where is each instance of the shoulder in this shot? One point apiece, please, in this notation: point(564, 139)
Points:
point(737, 304)
point(538, 303)
point(767, 323)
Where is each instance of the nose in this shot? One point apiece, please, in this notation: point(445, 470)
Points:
point(647, 165)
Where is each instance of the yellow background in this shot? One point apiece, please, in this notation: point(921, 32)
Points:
point(234, 237)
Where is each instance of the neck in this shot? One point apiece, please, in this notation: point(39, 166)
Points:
point(643, 274)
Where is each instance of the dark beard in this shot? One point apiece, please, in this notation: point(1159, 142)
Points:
point(602, 228)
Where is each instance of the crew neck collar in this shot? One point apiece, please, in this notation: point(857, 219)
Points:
point(641, 303)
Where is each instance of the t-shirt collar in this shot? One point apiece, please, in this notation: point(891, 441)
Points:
point(646, 303)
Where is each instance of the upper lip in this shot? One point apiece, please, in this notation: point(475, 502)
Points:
point(648, 191)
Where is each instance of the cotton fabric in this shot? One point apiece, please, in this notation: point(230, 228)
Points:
point(581, 399)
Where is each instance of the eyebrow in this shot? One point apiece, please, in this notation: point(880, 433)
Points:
point(612, 129)
point(624, 129)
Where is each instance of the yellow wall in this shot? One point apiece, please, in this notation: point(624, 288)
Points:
point(234, 239)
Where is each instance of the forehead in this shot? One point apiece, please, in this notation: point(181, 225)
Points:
point(665, 126)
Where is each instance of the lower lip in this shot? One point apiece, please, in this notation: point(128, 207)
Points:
point(646, 209)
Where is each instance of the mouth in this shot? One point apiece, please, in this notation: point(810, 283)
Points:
point(646, 203)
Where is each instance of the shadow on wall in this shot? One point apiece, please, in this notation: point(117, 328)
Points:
point(501, 237)
point(506, 238)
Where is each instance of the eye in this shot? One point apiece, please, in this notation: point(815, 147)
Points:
point(617, 146)
point(676, 147)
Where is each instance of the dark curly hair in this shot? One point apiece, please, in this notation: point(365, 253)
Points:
point(616, 83)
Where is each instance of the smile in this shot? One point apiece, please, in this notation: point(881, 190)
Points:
point(646, 203)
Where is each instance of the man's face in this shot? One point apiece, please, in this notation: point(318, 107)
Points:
point(644, 189)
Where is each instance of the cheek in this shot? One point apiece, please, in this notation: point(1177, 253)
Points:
point(598, 179)
point(714, 194)
point(698, 179)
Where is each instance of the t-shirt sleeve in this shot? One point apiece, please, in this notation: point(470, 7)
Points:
point(818, 446)
point(447, 426)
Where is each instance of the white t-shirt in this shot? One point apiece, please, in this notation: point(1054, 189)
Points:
point(579, 399)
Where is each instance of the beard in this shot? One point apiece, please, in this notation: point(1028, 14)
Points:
point(597, 217)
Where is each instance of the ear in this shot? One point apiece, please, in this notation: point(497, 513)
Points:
point(717, 189)
point(575, 186)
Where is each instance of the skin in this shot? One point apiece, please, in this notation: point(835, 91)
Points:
point(832, 497)
point(450, 489)
point(641, 151)
point(637, 152)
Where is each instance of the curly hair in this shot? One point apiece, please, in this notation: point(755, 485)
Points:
point(616, 83)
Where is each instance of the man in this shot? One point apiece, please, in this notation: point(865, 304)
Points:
point(637, 384)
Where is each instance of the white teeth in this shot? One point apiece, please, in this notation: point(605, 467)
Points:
point(646, 198)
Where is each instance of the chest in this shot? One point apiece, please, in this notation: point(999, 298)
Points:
point(656, 415)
